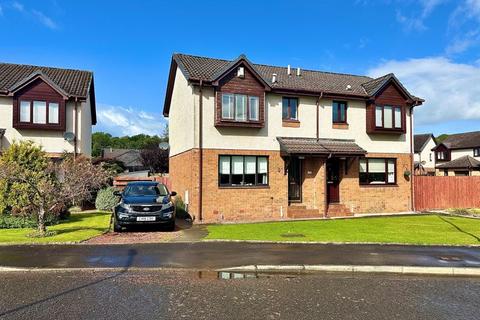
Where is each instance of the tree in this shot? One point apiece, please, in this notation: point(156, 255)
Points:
point(155, 159)
point(101, 140)
point(39, 186)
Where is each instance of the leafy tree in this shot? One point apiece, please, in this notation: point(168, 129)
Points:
point(441, 138)
point(37, 186)
point(155, 159)
point(101, 140)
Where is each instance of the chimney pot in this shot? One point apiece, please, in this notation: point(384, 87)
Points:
point(289, 71)
point(274, 78)
point(298, 72)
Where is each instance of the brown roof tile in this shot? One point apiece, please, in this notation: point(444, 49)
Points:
point(319, 146)
point(463, 140)
point(465, 162)
point(420, 140)
point(74, 82)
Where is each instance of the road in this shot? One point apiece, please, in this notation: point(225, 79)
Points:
point(202, 295)
point(216, 255)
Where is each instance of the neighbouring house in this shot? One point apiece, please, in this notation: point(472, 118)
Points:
point(259, 142)
point(424, 156)
point(459, 155)
point(130, 159)
point(52, 107)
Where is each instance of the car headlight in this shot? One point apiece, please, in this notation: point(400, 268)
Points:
point(125, 207)
point(167, 210)
point(123, 216)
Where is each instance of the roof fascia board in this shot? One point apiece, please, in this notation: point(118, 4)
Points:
point(34, 76)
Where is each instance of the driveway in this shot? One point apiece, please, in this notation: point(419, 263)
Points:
point(184, 231)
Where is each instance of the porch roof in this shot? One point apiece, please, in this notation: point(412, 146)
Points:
point(314, 146)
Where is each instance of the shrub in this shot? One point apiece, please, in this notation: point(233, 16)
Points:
point(15, 222)
point(181, 209)
point(106, 200)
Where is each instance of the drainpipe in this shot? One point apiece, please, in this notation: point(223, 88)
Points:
point(200, 149)
point(412, 167)
point(76, 130)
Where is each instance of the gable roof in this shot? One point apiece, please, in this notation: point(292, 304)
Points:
point(421, 140)
point(196, 69)
point(69, 83)
point(465, 162)
point(464, 140)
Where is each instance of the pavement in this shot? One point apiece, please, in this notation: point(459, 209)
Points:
point(221, 255)
point(198, 295)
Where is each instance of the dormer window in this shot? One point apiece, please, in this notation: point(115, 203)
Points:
point(476, 152)
point(388, 117)
point(39, 112)
point(240, 107)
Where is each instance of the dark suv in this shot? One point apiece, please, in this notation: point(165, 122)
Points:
point(145, 203)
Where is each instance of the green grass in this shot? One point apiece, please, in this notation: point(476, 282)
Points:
point(79, 227)
point(425, 229)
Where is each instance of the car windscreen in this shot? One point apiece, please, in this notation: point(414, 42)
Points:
point(145, 190)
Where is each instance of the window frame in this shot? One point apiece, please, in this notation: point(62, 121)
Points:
point(257, 174)
point(386, 183)
point(31, 121)
point(339, 104)
point(394, 108)
point(289, 109)
point(247, 108)
point(445, 155)
point(476, 152)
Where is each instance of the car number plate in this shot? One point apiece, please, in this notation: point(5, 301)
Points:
point(145, 218)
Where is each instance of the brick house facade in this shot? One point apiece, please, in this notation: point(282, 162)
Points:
point(255, 142)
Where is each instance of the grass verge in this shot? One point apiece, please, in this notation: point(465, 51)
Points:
point(79, 227)
point(424, 229)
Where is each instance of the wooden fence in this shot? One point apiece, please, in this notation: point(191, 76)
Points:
point(121, 181)
point(446, 192)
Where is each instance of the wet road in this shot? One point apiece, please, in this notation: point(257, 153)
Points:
point(193, 295)
point(215, 255)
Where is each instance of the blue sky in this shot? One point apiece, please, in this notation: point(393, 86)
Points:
point(431, 45)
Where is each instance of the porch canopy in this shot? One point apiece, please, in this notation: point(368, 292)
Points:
point(321, 147)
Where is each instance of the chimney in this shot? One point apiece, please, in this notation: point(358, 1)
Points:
point(298, 72)
point(289, 71)
point(274, 78)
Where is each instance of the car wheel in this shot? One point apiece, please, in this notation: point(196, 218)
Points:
point(171, 227)
point(116, 226)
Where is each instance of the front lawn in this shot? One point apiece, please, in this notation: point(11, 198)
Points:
point(78, 227)
point(422, 229)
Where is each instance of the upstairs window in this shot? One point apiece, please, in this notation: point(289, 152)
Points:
point(377, 171)
point(339, 112)
point(39, 112)
point(388, 117)
point(289, 108)
point(476, 152)
point(441, 155)
point(240, 107)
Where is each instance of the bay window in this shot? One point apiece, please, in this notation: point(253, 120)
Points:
point(39, 112)
point(388, 117)
point(242, 171)
point(240, 107)
point(375, 171)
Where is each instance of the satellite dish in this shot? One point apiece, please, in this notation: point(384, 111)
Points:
point(69, 136)
point(164, 146)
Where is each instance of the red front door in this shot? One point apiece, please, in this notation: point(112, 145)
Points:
point(333, 181)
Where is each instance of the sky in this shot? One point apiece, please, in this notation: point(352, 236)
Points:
point(432, 46)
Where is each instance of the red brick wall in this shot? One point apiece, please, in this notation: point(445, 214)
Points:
point(377, 199)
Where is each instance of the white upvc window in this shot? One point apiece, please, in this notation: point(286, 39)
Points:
point(253, 104)
point(24, 111)
point(39, 112)
point(228, 108)
point(240, 107)
point(53, 113)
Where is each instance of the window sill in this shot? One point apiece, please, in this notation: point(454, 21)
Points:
point(244, 187)
point(394, 185)
point(340, 125)
point(290, 123)
point(234, 123)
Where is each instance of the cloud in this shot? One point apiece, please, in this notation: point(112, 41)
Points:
point(43, 19)
point(33, 14)
point(450, 89)
point(415, 22)
point(18, 6)
point(120, 121)
point(464, 25)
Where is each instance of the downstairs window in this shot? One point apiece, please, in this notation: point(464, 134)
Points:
point(375, 171)
point(242, 171)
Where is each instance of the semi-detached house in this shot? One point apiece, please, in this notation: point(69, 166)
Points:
point(259, 142)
